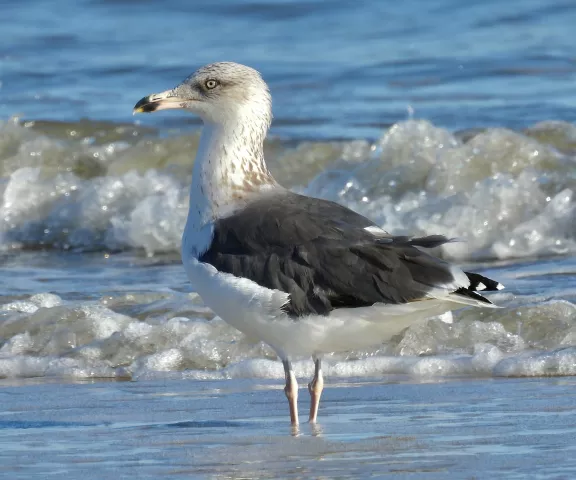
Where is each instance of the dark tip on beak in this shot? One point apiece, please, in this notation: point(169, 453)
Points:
point(159, 101)
point(145, 105)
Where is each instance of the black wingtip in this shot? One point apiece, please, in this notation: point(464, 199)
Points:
point(471, 294)
point(479, 283)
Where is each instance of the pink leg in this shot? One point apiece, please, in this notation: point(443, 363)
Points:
point(315, 388)
point(291, 391)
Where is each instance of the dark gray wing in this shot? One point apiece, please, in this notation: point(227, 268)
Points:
point(321, 255)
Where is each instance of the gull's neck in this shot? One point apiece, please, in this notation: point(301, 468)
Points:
point(229, 169)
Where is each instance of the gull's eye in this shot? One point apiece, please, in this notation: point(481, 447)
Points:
point(210, 84)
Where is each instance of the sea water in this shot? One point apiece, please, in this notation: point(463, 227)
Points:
point(428, 117)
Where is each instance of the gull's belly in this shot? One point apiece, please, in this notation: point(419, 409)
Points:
point(252, 309)
point(256, 311)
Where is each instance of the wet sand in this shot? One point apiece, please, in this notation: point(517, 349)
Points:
point(446, 429)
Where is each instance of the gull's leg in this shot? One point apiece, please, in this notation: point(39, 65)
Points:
point(291, 391)
point(315, 388)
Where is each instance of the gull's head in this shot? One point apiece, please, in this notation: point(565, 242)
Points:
point(219, 93)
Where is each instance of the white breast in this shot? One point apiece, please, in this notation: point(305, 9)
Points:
point(256, 311)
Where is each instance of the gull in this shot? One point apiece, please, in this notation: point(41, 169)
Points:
point(306, 276)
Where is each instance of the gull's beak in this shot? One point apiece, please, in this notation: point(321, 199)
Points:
point(159, 101)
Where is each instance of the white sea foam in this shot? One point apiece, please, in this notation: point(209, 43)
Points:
point(46, 336)
point(504, 193)
point(507, 194)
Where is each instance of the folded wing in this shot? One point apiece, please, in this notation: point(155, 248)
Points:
point(327, 257)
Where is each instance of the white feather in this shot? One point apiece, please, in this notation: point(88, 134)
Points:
point(376, 231)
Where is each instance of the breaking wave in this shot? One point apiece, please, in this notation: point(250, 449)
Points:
point(171, 335)
point(92, 186)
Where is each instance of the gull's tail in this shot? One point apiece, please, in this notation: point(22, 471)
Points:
point(470, 295)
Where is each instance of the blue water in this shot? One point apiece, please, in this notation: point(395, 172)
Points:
point(93, 200)
point(336, 69)
point(395, 428)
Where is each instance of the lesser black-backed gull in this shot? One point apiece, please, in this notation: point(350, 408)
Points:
point(306, 276)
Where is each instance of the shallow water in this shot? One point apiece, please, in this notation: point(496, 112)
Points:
point(516, 428)
point(428, 117)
